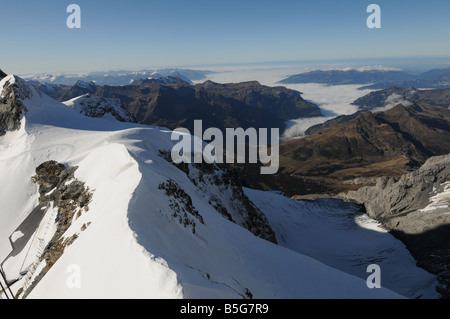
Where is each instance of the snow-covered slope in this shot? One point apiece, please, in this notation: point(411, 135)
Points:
point(340, 235)
point(148, 230)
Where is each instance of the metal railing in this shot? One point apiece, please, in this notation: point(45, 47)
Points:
point(5, 287)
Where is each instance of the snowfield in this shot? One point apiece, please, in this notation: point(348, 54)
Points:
point(129, 244)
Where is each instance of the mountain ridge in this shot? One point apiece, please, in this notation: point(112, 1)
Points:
point(146, 223)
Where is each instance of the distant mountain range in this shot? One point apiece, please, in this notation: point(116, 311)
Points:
point(438, 97)
point(172, 102)
point(349, 154)
point(374, 79)
point(122, 77)
point(98, 199)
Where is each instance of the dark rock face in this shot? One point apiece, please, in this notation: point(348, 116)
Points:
point(11, 105)
point(80, 88)
point(94, 106)
point(2, 75)
point(181, 205)
point(416, 209)
point(57, 184)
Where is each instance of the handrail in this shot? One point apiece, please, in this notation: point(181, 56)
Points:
point(6, 283)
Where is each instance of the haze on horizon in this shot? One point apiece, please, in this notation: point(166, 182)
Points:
point(174, 33)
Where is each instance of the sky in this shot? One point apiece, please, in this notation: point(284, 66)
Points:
point(138, 34)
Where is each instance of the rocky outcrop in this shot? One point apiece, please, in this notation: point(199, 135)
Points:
point(80, 88)
point(416, 209)
point(70, 197)
point(223, 191)
point(57, 184)
point(392, 198)
point(181, 205)
point(13, 91)
point(94, 106)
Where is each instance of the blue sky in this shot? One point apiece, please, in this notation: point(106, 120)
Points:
point(146, 33)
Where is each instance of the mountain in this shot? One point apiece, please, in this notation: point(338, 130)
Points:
point(383, 100)
point(95, 208)
point(116, 78)
point(94, 106)
point(374, 79)
point(64, 92)
point(438, 97)
point(80, 88)
point(285, 103)
point(172, 102)
point(436, 78)
point(352, 154)
point(12, 91)
point(341, 119)
point(339, 77)
point(416, 209)
point(175, 104)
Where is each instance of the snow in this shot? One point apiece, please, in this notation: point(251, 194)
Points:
point(134, 248)
point(85, 85)
point(107, 108)
point(337, 234)
point(440, 200)
point(16, 235)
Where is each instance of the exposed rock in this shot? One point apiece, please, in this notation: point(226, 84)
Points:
point(416, 209)
point(80, 88)
point(181, 205)
point(57, 185)
point(12, 91)
point(391, 198)
point(94, 106)
point(224, 192)
point(369, 146)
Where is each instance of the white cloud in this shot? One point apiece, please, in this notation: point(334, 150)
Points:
point(392, 101)
point(296, 128)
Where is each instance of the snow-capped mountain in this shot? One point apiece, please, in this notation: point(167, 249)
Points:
point(122, 77)
point(94, 106)
point(86, 85)
point(94, 209)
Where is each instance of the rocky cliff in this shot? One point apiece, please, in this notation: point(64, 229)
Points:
point(416, 209)
point(12, 91)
